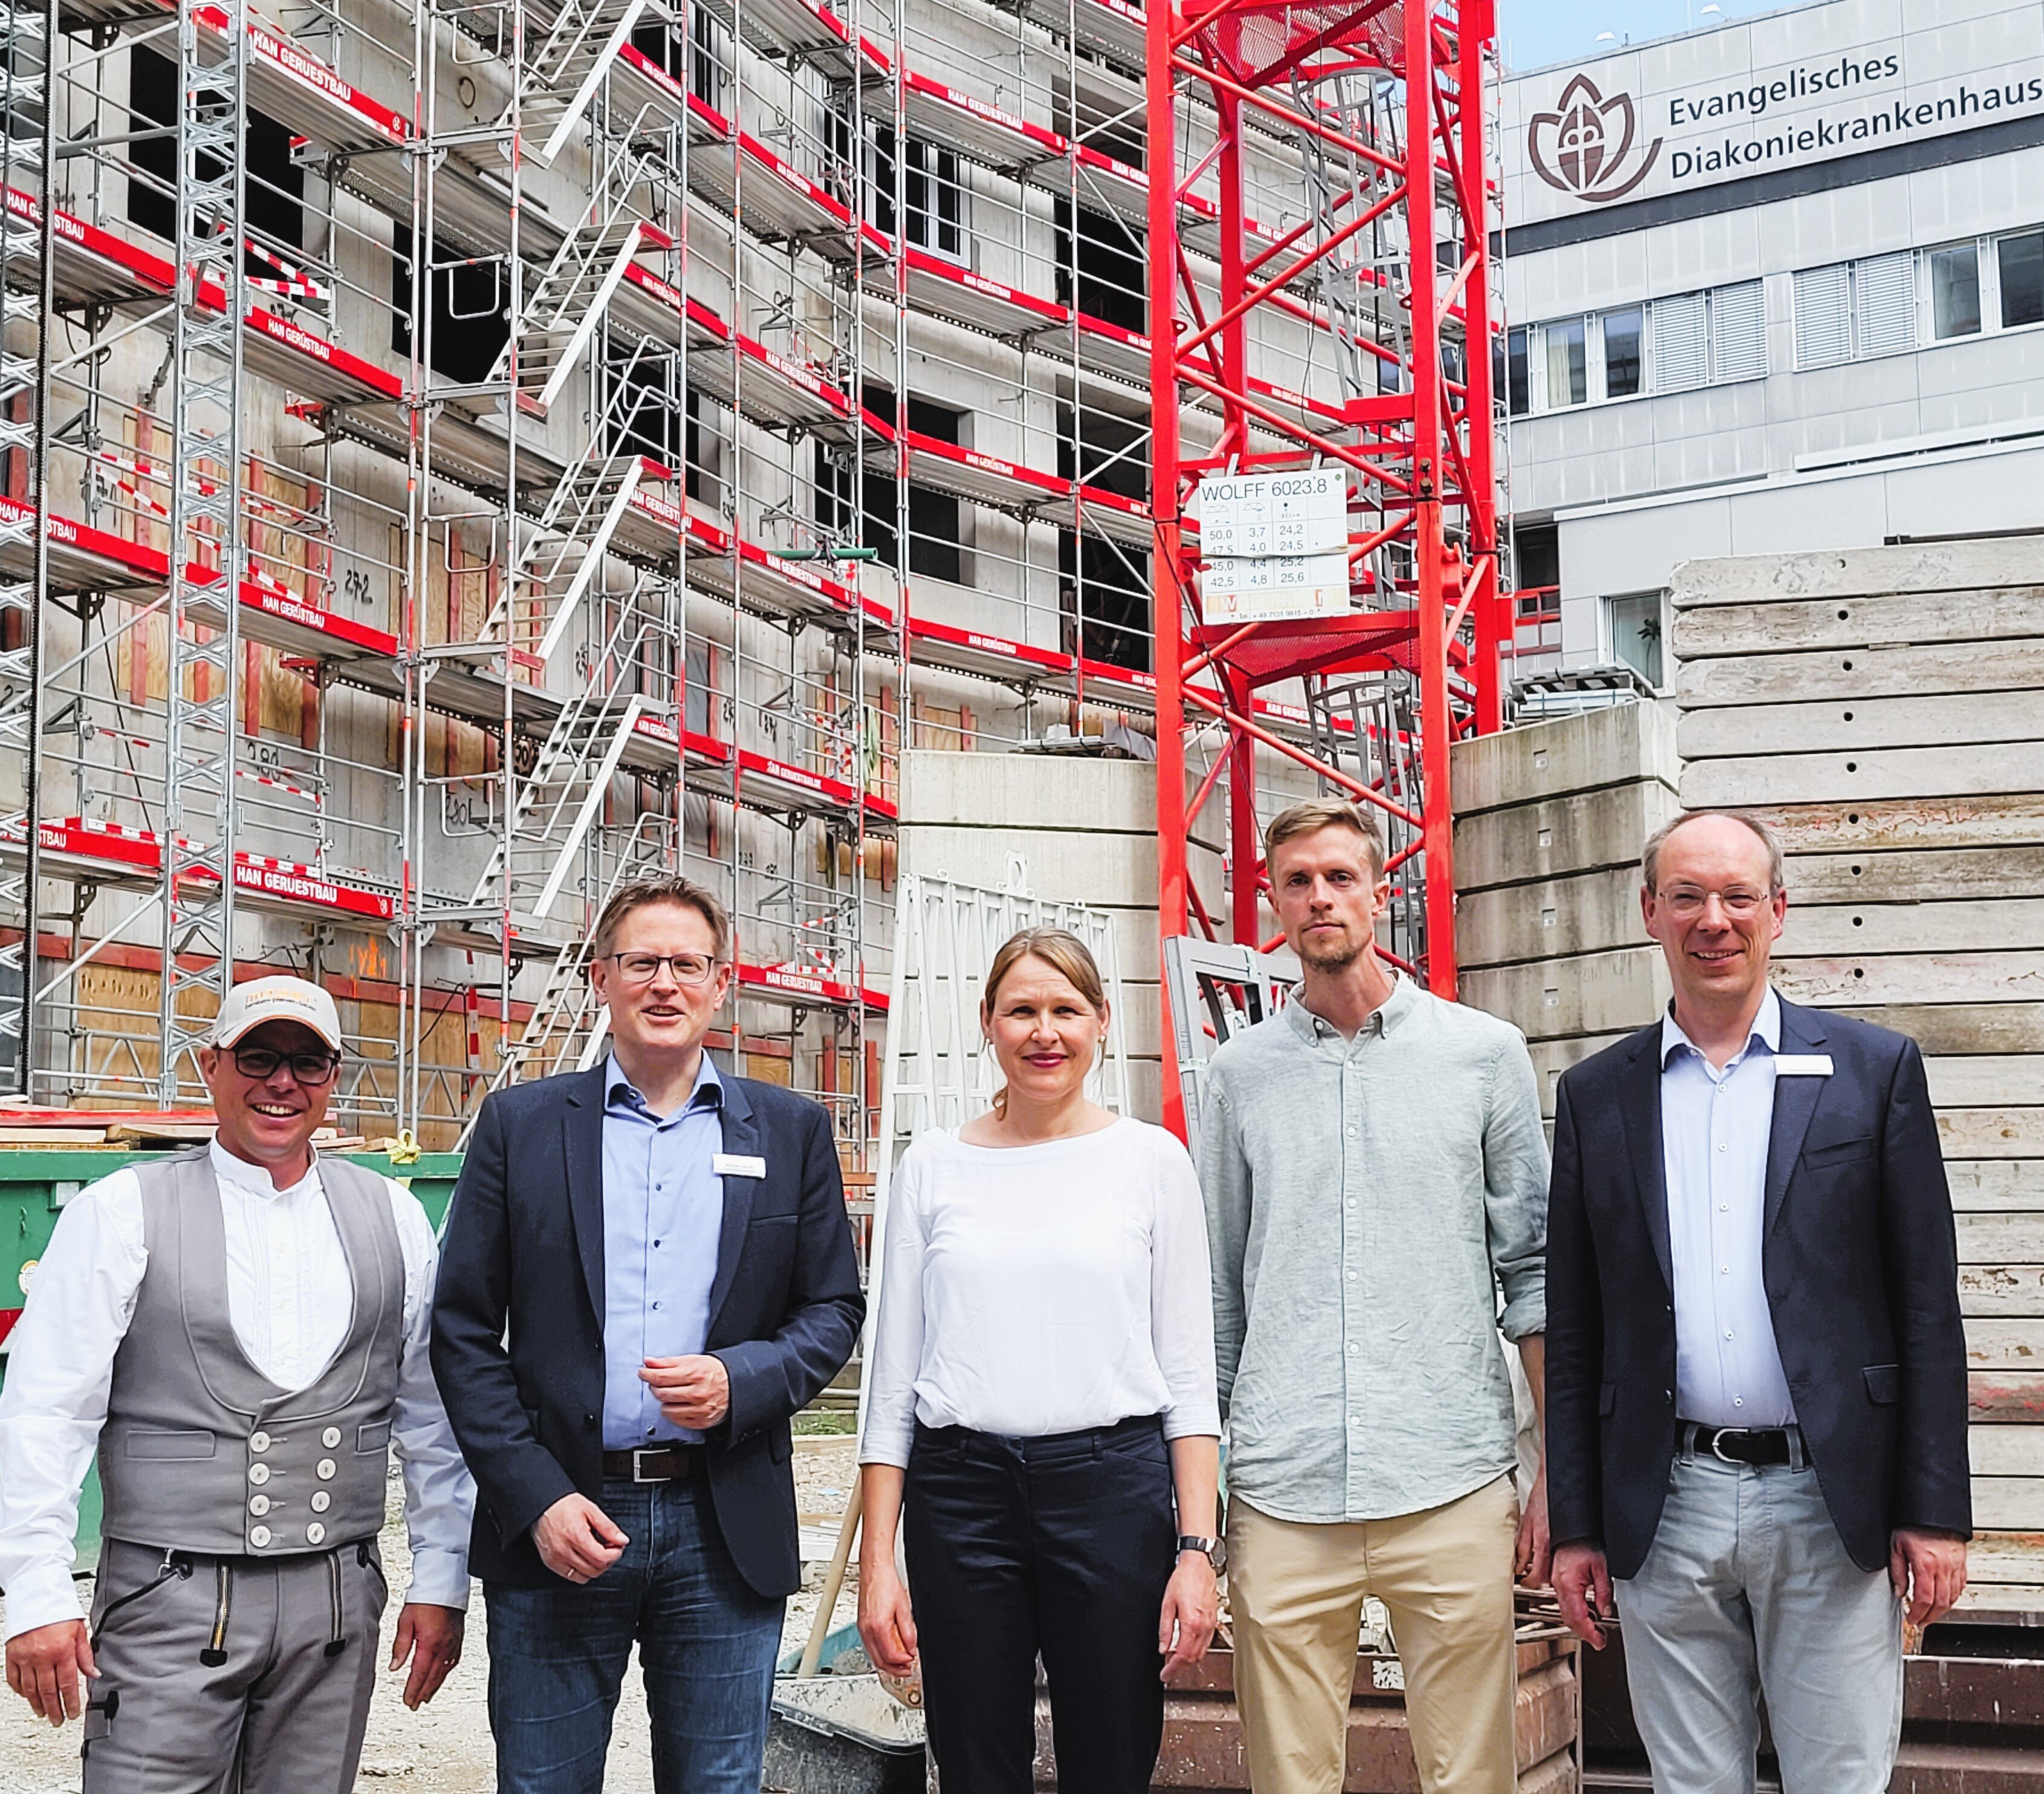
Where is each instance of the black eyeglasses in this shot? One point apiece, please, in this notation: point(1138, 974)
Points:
point(311, 1069)
point(642, 968)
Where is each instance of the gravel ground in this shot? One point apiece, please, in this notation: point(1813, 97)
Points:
point(445, 1748)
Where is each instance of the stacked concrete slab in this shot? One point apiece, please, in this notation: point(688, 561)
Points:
point(1885, 710)
point(1549, 821)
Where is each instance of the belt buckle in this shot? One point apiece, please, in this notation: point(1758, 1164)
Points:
point(638, 1474)
point(1717, 1443)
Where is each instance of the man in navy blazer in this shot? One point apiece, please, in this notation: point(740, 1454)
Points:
point(1756, 1370)
point(647, 1271)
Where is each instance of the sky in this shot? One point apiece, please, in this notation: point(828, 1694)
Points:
point(1532, 33)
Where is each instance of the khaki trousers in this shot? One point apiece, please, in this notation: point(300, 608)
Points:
point(1296, 1591)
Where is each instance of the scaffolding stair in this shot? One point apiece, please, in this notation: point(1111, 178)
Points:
point(564, 309)
point(564, 73)
point(562, 553)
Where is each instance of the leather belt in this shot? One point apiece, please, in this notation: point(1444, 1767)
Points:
point(654, 1463)
point(1746, 1444)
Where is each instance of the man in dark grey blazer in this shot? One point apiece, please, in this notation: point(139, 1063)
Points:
point(647, 1270)
point(1756, 1371)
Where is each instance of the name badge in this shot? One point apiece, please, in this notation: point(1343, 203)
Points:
point(1802, 1064)
point(742, 1165)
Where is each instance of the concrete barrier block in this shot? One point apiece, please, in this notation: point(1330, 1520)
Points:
point(1616, 746)
point(1597, 994)
point(1587, 831)
point(1003, 791)
point(1592, 913)
point(1930, 566)
point(1066, 866)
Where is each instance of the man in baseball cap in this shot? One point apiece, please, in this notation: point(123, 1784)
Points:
point(240, 1333)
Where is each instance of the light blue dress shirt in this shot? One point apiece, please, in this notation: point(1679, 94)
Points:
point(662, 1216)
point(1714, 1127)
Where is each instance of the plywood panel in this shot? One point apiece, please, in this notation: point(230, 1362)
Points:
point(1975, 613)
point(1859, 672)
point(1916, 978)
point(1853, 775)
point(1947, 720)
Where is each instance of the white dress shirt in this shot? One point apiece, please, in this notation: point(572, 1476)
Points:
point(1044, 1289)
point(288, 1298)
point(1715, 1128)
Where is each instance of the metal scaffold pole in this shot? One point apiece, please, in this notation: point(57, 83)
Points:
point(1381, 106)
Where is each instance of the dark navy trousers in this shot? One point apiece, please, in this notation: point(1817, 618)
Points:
point(1059, 1547)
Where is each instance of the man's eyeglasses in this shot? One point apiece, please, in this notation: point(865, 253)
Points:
point(311, 1069)
point(1686, 902)
point(642, 968)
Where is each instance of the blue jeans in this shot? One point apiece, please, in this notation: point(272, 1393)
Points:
point(706, 1641)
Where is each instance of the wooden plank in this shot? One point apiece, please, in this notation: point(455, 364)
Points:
point(2012, 1503)
point(1859, 672)
point(1956, 1028)
point(1914, 566)
point(2005, 1398)
point(1924, 874)
point(1853, 775)
point(1988, 1185)
point(1986, 1079)
point(1990, 925)
point(2005, 1345)
point(1586, 831)
point(1974, 613)
point(2006, 1451)
point(1913, 978)
point(2006, 1291)
point(1899, 824)
point(1948, 720)
point(1991, 1133)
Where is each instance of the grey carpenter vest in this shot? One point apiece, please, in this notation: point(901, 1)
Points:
point(200, 1451)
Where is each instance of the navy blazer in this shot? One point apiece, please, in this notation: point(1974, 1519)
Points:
point(517, 1342)
point(1861, 1269)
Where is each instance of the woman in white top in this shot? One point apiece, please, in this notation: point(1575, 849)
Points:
point(1042, 1418)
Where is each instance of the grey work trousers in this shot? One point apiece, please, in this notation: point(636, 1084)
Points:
point(1747, 1591)
point(232, 1675)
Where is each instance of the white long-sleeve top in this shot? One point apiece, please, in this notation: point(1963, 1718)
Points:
point(289, 1299)
point(1044, 1289)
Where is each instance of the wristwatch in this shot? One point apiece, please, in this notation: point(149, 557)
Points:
point(1214, 1550)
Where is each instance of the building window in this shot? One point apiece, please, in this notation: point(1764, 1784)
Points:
point(1885, 303)
point(1682, 342)
point(1955, 306)
point(1635, 622)
point(1738, 331)
point(1568, 363)
point(273, 199)
point(2020, 264)
point(935, 197)
point(1624, 352)
point(1518, 392)
point(936, 524)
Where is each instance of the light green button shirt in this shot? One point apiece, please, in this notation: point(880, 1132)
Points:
point(1366, 1200)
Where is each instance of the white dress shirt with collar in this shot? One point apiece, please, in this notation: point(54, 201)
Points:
point(1715, 1128)
point(288, 1296)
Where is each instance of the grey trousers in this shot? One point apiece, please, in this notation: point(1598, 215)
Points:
point(232, 1676)
point(1746, 1592)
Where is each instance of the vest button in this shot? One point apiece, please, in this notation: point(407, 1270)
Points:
point(315, 1533)
point(258, 1474)
point(326, 1468)
point(258, 1442)
point(258, 1536)
point(321, 1501)
point(330, 1437)
point(258, 1505)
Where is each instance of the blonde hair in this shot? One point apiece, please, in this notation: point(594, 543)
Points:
point(1316, 813)
point(1059, 948)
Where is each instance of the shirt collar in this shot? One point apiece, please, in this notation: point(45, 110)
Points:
point(1404, 998)
point(254, 1178)
point(709, 1091)
point(1766, 1029)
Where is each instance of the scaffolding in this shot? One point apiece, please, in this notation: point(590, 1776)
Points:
point(457, 456)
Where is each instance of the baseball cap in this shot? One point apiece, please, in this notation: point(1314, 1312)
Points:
point(278, 998)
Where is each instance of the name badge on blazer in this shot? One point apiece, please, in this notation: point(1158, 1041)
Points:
point(1802, 1064)
point(744, 1165)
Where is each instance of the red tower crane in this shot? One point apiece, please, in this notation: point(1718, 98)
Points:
point(1377, 108)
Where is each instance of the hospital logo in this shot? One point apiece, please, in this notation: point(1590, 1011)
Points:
point(1584, 146)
